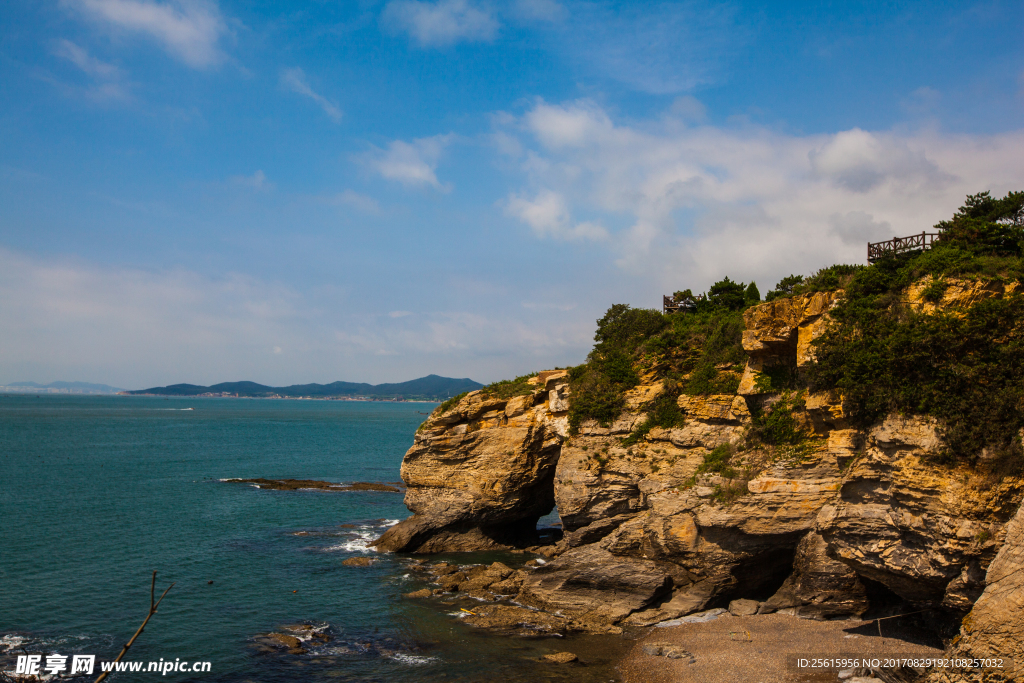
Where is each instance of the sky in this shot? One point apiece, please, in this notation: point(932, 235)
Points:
point(372, 191)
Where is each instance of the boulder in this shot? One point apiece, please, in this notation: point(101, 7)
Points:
point(593, 586)
point(560, 658)
point(479, 476)
point(819, 587)
point(743, 608)
point(358, 562)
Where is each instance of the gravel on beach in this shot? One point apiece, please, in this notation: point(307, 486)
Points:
point(758, 649)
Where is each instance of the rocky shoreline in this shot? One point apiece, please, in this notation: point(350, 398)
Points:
point(852, 520)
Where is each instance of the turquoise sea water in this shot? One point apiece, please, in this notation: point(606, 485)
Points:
point(99, 491)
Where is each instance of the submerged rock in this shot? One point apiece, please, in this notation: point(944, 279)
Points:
point(358, 562)
point(311, 484)
point(560, 658)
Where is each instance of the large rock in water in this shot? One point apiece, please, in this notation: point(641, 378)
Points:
point(481, 473)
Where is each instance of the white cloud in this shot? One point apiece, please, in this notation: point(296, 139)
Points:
point(578, 125)
point(295, 80)
point(688, 108)
point(442, 23)
point(257, 181)
point(858, 227)
point(188, 29)
point(410, 163)
point(684, 206)
point(108, 79)
point(357, 201)
point(859, 161)
point(548, 216)
point(83, 60)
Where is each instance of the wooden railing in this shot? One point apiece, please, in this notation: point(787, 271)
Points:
point(900, 245)
point(670, 305)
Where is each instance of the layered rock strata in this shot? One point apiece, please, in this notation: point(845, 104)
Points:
point(651, 533)
point(480, 475)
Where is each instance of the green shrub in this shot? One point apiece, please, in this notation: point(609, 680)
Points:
point(967, 370)
point(594, 396)
point(827, 279)
point(986, 225)
point(507, 388)
point(716, 461)
point(784, 287)
point(661, 412)
point(686, 348)
point(775, 425)
point(450, 403)
point(775, 378)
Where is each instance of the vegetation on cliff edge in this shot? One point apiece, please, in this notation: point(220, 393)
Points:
point(695, 353)
point(965, 368)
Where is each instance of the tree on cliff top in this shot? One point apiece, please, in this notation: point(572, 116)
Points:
point(964, 367)
point(986, 225)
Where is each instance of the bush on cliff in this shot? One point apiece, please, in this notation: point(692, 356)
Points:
point(698, 352)
point(507, 388)
point(965, 368)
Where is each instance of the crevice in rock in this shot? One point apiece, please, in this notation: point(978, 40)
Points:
point(920, 623)
point(882, 601)
point(891, 616)
point(761, 577)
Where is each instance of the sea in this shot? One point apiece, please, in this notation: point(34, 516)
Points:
point(100, 491)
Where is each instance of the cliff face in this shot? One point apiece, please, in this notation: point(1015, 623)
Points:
point(653, 531)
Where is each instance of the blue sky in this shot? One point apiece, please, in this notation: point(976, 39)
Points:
point(201, 191)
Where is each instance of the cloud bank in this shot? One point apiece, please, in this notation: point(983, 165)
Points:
point(138, 328)
point(696, 203)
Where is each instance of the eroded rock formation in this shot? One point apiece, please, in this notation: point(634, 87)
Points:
point(480, 475)
point(650, 533)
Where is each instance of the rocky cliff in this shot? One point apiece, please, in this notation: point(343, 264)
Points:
point(692, 516)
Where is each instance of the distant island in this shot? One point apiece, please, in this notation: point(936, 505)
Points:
point(59, 388)
point(429, 388)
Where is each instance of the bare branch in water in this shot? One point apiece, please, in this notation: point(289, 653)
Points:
point(152, 611)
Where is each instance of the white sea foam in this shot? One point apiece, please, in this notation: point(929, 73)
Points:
point(415, 660)
point(9, 642)
point(365, 534)
point(358, 545)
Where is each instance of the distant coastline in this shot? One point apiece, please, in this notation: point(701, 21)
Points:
point(79, 388)
point(431, 388)
point(375, 399)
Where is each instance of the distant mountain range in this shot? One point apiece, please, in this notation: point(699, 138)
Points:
point(429, 387)
point(61, 387)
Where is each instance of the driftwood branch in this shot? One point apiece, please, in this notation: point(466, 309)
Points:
point(152, 610)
